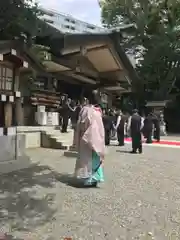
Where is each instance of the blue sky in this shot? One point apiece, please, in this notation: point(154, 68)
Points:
point(86, 10)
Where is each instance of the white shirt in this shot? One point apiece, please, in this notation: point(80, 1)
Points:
point(142, 123)
point(118, 122)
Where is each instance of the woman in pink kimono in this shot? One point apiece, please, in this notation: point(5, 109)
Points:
point(90, 144)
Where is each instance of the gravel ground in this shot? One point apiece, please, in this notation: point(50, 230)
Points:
point(140, 198)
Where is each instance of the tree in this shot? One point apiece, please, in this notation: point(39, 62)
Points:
point(155, 38)
point(18, 19)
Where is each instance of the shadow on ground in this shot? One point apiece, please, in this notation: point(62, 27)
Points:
point(70, 180)
point(123, 151)
point(22, 206)
point(9, 237)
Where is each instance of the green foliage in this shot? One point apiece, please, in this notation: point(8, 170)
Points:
point(157, 24)
point(18, 19)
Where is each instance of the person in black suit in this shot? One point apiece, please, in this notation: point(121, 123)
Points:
point(120, 126)
point(65, 115)
point(135, 125)
point(148, 128)
point(156, 122)
point(108, 126)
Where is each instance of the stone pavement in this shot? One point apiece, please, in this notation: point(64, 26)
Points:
point(140, 198)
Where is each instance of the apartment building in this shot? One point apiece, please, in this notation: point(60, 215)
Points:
point(67, 23)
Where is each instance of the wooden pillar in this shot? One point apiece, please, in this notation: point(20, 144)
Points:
point(1, 114)
point(8, 114)
point(19, 112)
point(49, 84)
point(16, 80)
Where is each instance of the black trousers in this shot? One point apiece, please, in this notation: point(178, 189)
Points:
point(107, 136)
point(120, 136)
point(65, 124)
point(149, 137)
point(136, 142)
point(157, 133)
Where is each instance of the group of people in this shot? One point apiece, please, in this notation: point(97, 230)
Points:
point(136, 126)
point(70, 110)
point(115, 125)
point(93, 129)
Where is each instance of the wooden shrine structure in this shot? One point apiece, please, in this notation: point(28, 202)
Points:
point(90, 60)
point(73, 64)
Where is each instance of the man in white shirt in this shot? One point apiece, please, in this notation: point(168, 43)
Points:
point(120, 124)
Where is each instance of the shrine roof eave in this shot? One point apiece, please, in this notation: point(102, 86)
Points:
point(102, 50)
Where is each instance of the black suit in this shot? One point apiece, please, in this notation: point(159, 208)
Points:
point(156, 122)
point(148, 128)
point(136, 133)
point(120, 131)
point(65, 117)
point(108, 125)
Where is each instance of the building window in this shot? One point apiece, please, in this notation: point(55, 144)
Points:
point(49, 21)
point(6, 78)
point(70, 20)
point(47, 13)
point(91, 27)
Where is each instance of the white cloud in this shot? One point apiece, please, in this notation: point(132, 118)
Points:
point(86, 10)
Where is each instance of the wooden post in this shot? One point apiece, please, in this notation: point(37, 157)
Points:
point(19, 112)
point(8, 114)
point(1, 114)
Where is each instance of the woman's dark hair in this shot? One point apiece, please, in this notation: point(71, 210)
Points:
point(73, 103)
point(94, 98)
point(134, 111)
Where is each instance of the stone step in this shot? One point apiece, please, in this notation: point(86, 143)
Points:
point(61, 138)
point(59, 146)
point(72, 154)
point(59, 132)
point(72, 148)
point(60, 135)
point(24, 129)
point(58, 140)
point(49, 142)
point(67, 144)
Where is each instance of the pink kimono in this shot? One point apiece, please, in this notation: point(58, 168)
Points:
point(90, 144)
